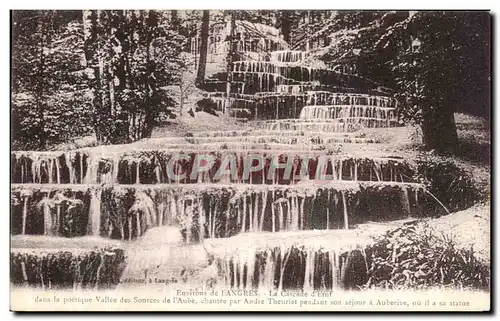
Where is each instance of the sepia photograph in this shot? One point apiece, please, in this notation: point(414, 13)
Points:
point(250, 160)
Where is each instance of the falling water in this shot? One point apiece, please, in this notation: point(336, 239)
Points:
point(332, 256)
point(94, 224)
point(346, 217)
point(406, 197)
point(239, 269)
point(309, 271)
point(288, 56)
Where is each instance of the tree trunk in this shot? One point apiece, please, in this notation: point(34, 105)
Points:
point(200, 76)
point(439, 129)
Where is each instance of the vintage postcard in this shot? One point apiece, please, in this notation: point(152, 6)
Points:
point(250, 160)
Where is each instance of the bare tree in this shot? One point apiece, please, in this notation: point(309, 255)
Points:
point(205, 20)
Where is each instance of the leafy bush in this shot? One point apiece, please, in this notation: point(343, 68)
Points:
point(414, 257)
point(450, 184)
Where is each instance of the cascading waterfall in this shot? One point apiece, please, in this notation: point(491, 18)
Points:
point(45, 204)
point(94, 224)
point(207, 213)
point(322, 98)
point(348, 111)
point(301, 115)
point(346, 216)
point(69, 158)
point(285, 72)
point(309, 271)
point(142, 167)
point(45, 166)
point(290, 89)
